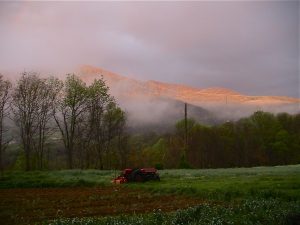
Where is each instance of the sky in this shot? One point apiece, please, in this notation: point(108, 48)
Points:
point(251, 47)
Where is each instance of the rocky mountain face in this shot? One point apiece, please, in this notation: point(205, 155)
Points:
point(154, 102)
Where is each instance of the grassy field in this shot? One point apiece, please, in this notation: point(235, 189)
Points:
point(62, 178)
point(230, 184)
point(261, 195)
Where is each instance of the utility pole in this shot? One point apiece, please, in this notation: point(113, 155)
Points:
point(183, 162)
point(185, 127)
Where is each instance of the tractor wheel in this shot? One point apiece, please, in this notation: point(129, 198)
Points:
point(139, 178)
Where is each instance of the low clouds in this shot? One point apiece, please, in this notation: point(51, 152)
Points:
point(251, 47)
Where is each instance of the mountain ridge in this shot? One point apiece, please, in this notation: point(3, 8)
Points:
point(124, 87)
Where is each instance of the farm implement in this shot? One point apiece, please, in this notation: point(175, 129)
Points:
point(137, 175)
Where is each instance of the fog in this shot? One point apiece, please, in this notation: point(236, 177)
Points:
point(147, 112)
point(234, 112)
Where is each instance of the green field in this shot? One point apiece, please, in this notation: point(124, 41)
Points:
point(261, 195)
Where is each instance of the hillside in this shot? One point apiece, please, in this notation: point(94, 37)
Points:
point(154, 104)
point(125, 87)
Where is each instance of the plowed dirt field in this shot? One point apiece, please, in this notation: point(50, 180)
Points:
point(32, 205)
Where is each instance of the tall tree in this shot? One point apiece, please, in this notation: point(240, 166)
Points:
point(106, 121)
point(68, 112)
point(5, 87)
point(98, 99)
point(114, 123)
point(119, 120)
point(50, 88)
point(26, 107)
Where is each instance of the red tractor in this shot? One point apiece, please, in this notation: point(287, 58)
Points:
point(137, 175)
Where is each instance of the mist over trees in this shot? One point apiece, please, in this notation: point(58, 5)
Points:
point(5, 87)
point(65, 122)
point(47, 123)
point(33, 101)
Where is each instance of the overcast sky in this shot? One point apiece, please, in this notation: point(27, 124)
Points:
point(251, 47)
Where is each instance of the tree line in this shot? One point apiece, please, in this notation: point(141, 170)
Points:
point(86, 119)
point(262, 139)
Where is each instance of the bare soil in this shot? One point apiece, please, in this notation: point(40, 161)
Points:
point(29, 206)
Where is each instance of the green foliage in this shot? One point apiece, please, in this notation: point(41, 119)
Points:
point(248, 212)
point(261, 139)
point(158, 151)
point(159, 166)
point(75, 91)
point(98, 91)
point(183, 164)
point(180, 125)
point(155, 154)
point(20, 161)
